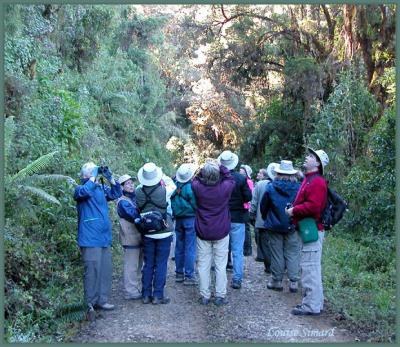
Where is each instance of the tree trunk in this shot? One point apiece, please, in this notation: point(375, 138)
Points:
point(348, 15)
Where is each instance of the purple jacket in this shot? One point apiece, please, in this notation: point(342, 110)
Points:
point(213, 218)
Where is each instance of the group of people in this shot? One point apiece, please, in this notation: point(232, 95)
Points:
point(208, 210)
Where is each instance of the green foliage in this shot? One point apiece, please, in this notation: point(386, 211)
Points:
point(34, 168)
point(373, 206)
point(343, 123)
point(71, 312)
point(86, 102)
point(362, 292)
point(275, 133)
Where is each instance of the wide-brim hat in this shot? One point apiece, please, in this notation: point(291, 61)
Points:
point(185, 172)
point(124, 178)
point(322, 158)
point(247, 169)
point(149, 174)
point(285, 168)
point(271, 170)
point(228, 159)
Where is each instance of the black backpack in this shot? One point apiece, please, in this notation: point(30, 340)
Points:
point(151, 222)
point(334, 209)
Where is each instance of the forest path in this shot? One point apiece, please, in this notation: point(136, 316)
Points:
point(253, 314)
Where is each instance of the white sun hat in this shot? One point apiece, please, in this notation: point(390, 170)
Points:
point(322, 157)
point(185, 172)
point(228, 159)
point(247, 169)
point(149, 174)
point(124, 178)
point(271, 170)
point(285, 168)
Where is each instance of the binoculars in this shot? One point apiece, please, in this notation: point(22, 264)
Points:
point(101, 169)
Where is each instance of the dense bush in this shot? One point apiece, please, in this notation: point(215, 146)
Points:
point(81, 101)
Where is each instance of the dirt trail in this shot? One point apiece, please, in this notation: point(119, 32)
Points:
point(254, 314)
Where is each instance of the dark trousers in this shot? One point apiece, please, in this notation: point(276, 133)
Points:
point(98, 274)
point(265, 247)
point(259, 255)
point(154, 272)
point(247, 248)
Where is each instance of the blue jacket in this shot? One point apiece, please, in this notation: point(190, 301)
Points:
point(94, 224)
point(272, 207)
point(126, 210)
point(183, 201)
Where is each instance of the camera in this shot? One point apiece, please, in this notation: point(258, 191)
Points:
point(102, 169)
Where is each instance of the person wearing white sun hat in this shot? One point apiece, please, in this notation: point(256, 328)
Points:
point(151, 196)
point(130, 238)
point(310, 202)
point(283, 240)
point(183, 204)
point(265, 177)
point(246, 171)
point(239, 215)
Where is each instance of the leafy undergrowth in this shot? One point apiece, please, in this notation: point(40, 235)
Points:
point(359, 283)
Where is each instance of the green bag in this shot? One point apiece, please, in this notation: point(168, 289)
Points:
point(308, 230)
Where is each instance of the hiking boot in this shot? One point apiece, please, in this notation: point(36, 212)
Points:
point(229, 267)
point(146, 299)
point(299, 310)
point(190, 282)
point(90, 314)
point(157, 301)
point(220, 301)
point(179, 277)
point(293, 286)
point(275, 285)
point(204, 301)
point(300, 305)
point(236, 284)
point(106, 306)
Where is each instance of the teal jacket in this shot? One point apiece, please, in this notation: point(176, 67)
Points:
point(183, 201)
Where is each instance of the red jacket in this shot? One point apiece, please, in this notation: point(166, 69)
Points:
point(311, 199)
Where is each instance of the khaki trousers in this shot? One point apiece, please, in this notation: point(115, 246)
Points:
point(311, 277)
point(133, 261)
point(207, 252)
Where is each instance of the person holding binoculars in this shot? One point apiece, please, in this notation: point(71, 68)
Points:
point(94, 234)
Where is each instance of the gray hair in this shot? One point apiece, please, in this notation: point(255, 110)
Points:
point(283, 177)
point(87, 169)
point(210, 173)
point(264, 172)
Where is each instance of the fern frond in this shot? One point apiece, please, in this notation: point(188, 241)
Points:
point(50, 178)
point(71, 312)
point(40, 193)
point(34, 167)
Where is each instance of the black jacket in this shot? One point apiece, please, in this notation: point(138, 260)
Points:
point(241, 194)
